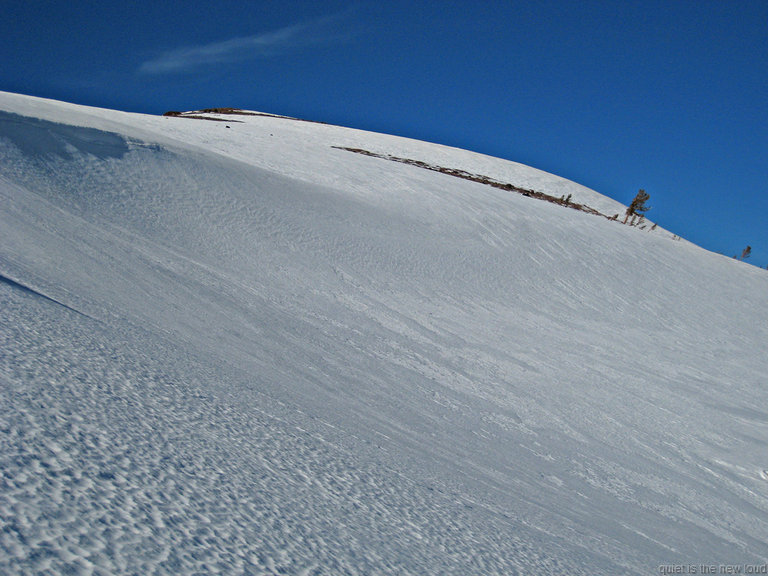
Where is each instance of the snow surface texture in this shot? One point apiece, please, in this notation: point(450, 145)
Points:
point(229, 347)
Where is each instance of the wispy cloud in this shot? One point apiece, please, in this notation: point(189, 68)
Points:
point(265, 44)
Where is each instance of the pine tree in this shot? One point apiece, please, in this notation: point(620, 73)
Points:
point(638, 207)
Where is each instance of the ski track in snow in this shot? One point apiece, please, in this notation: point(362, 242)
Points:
point(243, 351)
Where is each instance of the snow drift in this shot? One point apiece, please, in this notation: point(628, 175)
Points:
point(235, 347)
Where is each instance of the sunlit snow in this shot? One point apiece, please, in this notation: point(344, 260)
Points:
point(232, 347)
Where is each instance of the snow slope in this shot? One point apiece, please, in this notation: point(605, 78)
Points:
point(229, 347)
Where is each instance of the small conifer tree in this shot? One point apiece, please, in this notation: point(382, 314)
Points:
point(638, 206)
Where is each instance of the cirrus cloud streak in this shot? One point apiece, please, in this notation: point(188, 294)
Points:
point(261, 45)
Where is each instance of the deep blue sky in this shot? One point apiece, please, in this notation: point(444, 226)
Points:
point(618, 95)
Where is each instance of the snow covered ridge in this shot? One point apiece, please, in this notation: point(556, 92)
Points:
point(216, 113)
point(527, 192)
point(245, 350)
point(225, 115)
